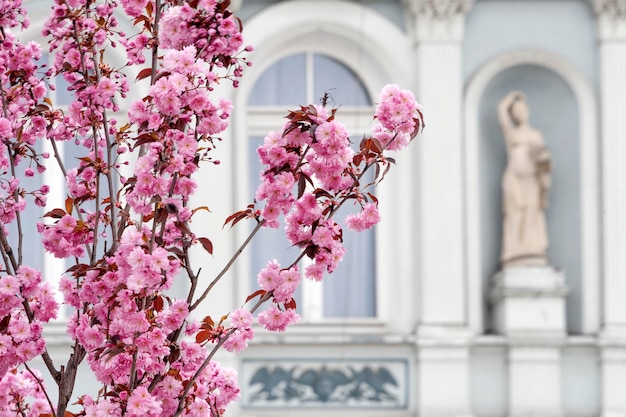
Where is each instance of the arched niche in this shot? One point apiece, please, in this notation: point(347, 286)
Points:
point(563, 108)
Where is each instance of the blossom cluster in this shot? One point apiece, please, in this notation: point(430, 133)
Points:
point(127, 238)
point(20, 335)
point(313, 154)
point(125, 257)
point(16, 388)
point(20, 122)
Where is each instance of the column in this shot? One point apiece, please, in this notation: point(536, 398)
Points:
point(611, 23)
point(438, 30)
point(443, 337)
point(611, 26)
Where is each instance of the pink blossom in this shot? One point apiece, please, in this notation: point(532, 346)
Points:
point(241, 318)
point(274, 319)
point(269, 278)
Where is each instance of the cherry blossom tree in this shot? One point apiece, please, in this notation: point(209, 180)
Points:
point(128, 238)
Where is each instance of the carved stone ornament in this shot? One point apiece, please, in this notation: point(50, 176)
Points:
point(326, 383)
point(614, 9)
point(439, 9)
point(611, 17)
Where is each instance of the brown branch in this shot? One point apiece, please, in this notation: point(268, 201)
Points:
point(228, 265)
point(190, 383)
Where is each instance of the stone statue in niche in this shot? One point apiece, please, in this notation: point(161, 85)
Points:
point(525, 186)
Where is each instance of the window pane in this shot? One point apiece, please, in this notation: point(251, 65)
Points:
point(63, 97)
point(342, 85)
point(284, 83)
point(32, 248)
point(350, 291)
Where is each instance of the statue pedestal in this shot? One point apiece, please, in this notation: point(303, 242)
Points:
point(529, 301)
point(529, 308)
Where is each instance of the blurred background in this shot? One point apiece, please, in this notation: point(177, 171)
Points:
point(422, 318)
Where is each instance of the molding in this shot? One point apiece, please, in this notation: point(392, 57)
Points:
point(589, 178)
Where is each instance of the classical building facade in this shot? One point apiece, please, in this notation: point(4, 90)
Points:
point(421, 321)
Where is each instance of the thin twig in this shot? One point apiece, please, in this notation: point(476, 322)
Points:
point(43, 388)
point(228, 265)
point(190, 383)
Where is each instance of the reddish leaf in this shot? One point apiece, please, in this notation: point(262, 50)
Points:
point(255, 294)
point(200, 208)
point(203, 336)
point(206, 244)
point(301, 185)
point(144, 73)
point(69, 204)
point(4, 324)
point(237, 217)
point(143, 139)
point(182, 226)
point(161, 214)
point(233, 216)
point(114, 352)
point(209, 321)
point(224, 317)
point(176, 251)
point(56, 213)
point(291, 304)
point(40, 108)
point(157, 303)
point(174, 355)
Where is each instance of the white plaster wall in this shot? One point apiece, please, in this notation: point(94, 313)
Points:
point(564, 27)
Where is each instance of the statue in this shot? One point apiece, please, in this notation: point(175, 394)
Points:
point(525, 185)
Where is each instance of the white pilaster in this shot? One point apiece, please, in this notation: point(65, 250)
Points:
point(443, 336)
point(439, 367)
point(611, 25)
point(611, 20)
point(438, 29)
point(613, 368)
point(535, 381)
point(529, 308)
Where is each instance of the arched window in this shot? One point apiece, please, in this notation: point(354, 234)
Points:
point(304, 78)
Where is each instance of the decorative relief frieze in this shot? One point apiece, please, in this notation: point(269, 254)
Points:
point(324, 383)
